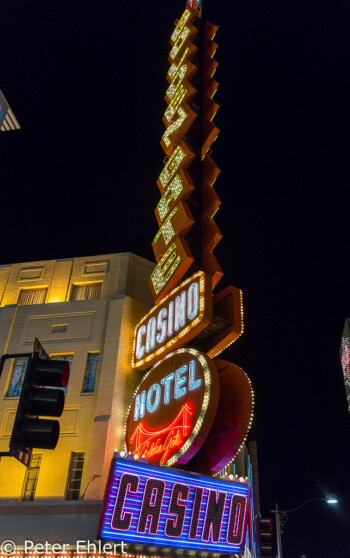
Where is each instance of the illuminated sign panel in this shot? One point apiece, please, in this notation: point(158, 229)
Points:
point(227, 304)
point(232, 420)
point(170, 247)
point(345, 358)
point(156, 506)
point(8, 120)
point(189, 50)
point(171, 417)
point(3, 107)
point(173, 408)
point(179, 317)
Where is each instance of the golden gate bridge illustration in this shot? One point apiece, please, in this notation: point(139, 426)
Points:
point(142, 437)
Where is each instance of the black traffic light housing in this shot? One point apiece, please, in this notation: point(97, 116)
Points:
point(39, 399)
point(267, 537)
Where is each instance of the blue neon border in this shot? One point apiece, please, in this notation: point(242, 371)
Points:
point(120, 466)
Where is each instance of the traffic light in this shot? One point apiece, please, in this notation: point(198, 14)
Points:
point(38, 398)
point(267, 538)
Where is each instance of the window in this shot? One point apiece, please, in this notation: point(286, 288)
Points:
point(32, 296)
point(31, 477)
point(90, 372)
point(59, 328)
point(68, 358)
point(18, 371)
point(88, 291)
point(75, 474)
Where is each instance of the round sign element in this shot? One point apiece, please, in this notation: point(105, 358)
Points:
point(173, 408)
point(232, 421)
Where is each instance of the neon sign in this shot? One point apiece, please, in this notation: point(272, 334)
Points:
point(170, 245)
point(148, 442)
point(179, 317)
point(345, 358)
point(173, 408)
point(8, 121)
point(3, 107)
point(171, 418)
point(154, 506)
point(232, 420)
point(173, 215)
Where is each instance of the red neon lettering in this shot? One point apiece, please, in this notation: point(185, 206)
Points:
point(174, 527)
point(213, 516)
point(195, 513)
point(235, 524)
point(149, 442)
point(154, 490)
point(122, 520)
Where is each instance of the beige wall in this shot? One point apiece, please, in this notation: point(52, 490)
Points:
point(91, 422)
point(124, 274)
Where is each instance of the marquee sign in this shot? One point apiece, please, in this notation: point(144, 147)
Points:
point(154, 506)
point(173, 408)
point(180, 316)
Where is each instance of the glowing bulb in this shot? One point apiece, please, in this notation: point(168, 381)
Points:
point(331, 499)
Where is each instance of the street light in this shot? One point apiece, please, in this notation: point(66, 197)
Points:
point(331, 499)
point(281, 517)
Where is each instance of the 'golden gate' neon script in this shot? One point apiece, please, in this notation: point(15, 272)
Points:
point(173, 216)
point(161, 442)
point(177, 319)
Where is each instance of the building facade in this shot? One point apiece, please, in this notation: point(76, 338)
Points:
point(83, 310)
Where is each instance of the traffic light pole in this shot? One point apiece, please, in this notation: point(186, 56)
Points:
point(278, 531)
point(41, 394)
point(5, 357)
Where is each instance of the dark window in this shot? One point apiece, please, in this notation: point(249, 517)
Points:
point(90, 372)
point(59, 328)
point(31, 478)
point(75, 474)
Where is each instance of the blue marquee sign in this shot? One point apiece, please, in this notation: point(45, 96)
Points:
point(159, 506)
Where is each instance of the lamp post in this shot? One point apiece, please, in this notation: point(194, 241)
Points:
point(281, 517)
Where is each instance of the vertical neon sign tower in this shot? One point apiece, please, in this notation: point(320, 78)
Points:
point(189, 410)
point(187, 270)
point(187, 233)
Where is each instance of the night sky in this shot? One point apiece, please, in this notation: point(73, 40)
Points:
point(86, 81)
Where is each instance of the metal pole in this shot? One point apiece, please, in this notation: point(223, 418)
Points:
point(278, 532)
point(5, 357)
